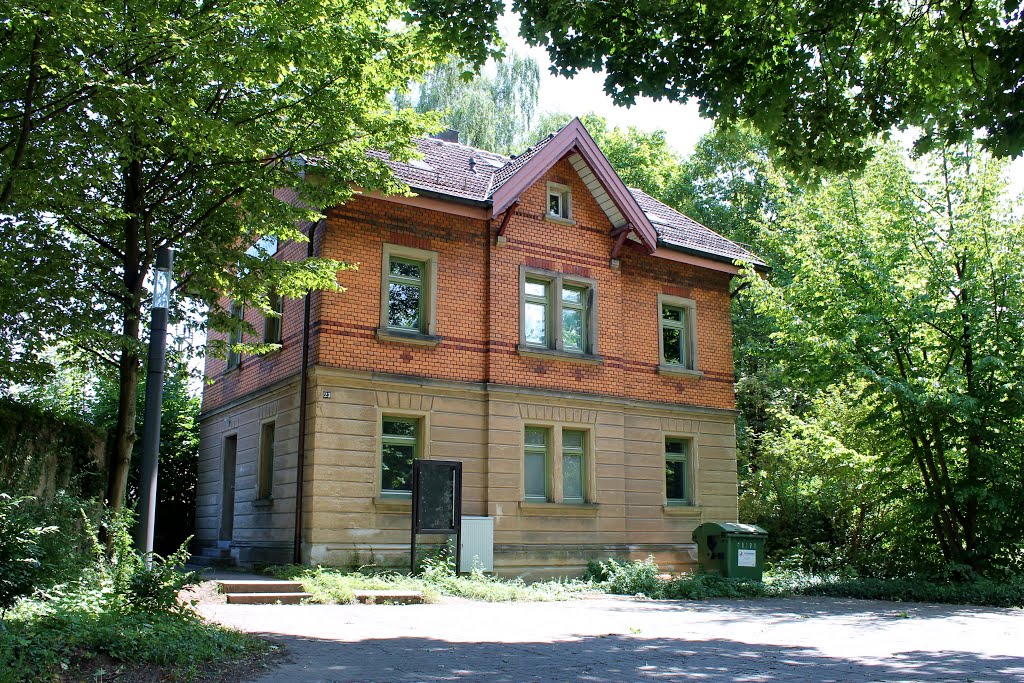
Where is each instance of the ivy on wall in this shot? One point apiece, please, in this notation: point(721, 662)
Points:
point(41, 454)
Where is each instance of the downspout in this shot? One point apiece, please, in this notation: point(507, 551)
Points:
point(303, 391)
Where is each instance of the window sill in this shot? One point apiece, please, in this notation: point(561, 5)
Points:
point(558, 219)
point(679, 371)
point(537, 509)
point(682, 510)
point(393, 502)
point(386, 334)
point(553, 354)
point(263, 503)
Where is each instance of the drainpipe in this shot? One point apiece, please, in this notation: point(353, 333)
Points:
point(301, 462)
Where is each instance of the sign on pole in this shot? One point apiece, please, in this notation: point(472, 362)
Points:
point(436, 503)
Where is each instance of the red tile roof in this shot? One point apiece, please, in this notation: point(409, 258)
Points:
point(462, 172)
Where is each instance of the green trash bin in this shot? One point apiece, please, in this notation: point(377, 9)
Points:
point(732, 550)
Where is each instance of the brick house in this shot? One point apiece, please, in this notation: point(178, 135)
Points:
point(567, 338)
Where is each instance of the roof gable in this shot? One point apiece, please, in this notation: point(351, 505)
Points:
point(524, 172)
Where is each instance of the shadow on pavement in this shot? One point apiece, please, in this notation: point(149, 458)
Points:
point(614, 658)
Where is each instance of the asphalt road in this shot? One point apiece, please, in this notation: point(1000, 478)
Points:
point(609, 639)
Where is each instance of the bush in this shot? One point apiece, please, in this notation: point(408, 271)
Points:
point(19, 551)
point(118, 608)
point(631, 578)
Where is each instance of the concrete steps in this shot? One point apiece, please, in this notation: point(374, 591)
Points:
point(389, 597)
point(260, 592)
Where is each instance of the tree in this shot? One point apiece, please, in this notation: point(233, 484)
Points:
point(159, 123)
point(492, 113)
point(820, 79)
point(910, 279)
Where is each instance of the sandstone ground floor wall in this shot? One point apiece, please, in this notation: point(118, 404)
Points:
point(348, 521)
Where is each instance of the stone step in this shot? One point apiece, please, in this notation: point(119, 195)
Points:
point(266, 598)
point(389, 597)
point(258, 586)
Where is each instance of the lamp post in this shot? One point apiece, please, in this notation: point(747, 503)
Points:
point(154, 398)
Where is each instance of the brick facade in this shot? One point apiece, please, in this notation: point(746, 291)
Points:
point(478, 305)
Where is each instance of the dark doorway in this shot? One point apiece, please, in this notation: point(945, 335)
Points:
point(227, 508)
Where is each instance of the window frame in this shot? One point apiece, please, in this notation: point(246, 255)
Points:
point(689, 459)
point(428, 292)
point(236, 336)
point(545, 451)
point(582, 453)
point(554, 469)
point(419, 450)
point(564, 193)
point(265, 457)
point(555, 306)
point(690, 328)
point(273, 325)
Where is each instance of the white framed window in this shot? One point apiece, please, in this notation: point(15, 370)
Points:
point(536, 458)
point(235, 336)
point(557, 312)
point(272, 323)
point(678, 471)
point(556, 467)
point(408, 291)
point(559, 202)
point(677, 338)
point(265, 466)
point(400, 446)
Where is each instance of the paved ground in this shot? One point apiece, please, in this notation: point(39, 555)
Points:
point(611, 639)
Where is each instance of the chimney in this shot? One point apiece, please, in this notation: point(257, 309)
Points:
point(450, 135)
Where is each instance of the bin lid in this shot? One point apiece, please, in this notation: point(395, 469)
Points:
point(730, 529)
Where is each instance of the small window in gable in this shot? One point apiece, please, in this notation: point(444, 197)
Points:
point(559, 201)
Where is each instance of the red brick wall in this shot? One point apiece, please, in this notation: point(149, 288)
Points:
point(478, 316)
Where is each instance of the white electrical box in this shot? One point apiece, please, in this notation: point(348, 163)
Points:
point(477, 544)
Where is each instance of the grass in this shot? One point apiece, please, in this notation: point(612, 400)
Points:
point(642, 578)
point(45, 636)
point(336, 586)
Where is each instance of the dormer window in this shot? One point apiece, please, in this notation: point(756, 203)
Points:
point(559, 202)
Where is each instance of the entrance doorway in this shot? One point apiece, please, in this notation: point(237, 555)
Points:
point(227, 508)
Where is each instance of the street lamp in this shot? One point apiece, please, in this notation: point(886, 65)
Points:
point(154, 398)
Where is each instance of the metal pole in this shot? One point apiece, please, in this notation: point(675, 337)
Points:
point(154, 401)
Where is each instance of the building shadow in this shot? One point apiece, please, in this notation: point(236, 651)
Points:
point(615, 658)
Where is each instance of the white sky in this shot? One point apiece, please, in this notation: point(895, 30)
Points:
point(585, 93)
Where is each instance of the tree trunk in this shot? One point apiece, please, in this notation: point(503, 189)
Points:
point(128, 367)
point(124, 432)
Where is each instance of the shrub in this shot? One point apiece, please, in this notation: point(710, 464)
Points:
point(19, 551)
point(631, 578)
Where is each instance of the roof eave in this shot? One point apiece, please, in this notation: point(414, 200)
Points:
point(758, 266)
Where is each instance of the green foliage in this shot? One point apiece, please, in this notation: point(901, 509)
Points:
point(819, 80)
point(43, 452)
point(490, 112)
point(117, 607)
point(903, 293)
point(156, 123)
point(19, 551)
point(630, 578)
point(333, 586)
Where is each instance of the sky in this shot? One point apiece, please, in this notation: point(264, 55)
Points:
point(585, 93)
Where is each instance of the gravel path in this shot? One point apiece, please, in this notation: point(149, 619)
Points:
point(610, 639)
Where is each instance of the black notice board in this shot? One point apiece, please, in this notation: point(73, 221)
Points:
point(436, 502)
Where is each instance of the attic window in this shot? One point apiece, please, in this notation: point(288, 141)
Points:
point(559, 202)
point(420, 164)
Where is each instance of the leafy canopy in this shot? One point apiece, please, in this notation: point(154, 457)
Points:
point(819, 78)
